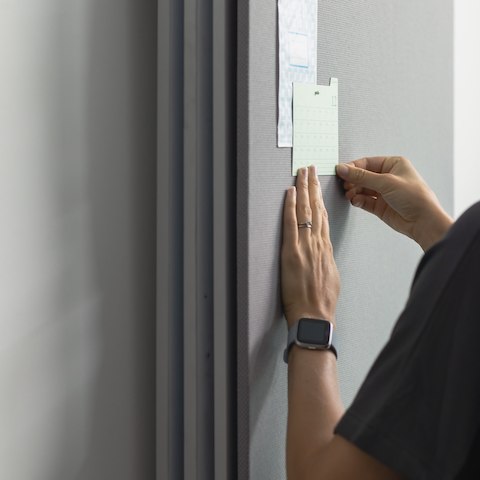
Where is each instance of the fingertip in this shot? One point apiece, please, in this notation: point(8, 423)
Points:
point(350, 194)
point(342, 170)
point(357, 202)
point(290, 196)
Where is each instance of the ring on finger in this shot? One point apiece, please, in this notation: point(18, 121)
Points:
point(305, 225)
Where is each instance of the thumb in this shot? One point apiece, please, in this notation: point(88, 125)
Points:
point(362, 177)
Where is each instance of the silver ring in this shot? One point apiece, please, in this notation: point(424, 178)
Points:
point(305, 225)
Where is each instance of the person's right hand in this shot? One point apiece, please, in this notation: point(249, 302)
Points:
point(392, 189)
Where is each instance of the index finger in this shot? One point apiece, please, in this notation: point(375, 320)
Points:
point(373, 164)
point(290, 225)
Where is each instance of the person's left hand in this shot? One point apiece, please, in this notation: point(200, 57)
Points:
point(310, 280)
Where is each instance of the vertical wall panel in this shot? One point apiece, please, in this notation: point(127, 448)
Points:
point(467, 104)
point(394, 65)
point(77, 248)
point(243, 148)
point(196, 241)
point(170, 307)
point(224, 236)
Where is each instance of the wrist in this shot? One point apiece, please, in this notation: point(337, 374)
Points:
point(433, 229)
point(311, 334)
point(307, 355)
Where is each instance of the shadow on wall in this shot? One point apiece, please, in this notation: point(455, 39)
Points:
point(107, 424)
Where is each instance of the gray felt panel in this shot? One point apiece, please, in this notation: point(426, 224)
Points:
point(393, 60)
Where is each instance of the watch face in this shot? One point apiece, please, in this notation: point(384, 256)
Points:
point(313, 331)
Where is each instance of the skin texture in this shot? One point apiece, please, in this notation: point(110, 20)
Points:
point(390, 188)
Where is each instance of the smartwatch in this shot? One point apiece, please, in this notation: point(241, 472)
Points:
point(310, 333)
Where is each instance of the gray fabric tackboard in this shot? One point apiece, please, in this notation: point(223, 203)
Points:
point(394, 62)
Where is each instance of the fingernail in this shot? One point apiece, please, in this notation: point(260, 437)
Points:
point(314, 169)
point(342, 170)
point(357, 202)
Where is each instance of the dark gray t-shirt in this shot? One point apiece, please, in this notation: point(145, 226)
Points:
point(418, 410)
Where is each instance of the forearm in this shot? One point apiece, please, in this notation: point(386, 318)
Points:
point(314, 406)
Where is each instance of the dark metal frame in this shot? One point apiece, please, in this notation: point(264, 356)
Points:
point(196, 238)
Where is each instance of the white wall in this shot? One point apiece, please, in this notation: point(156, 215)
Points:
point(467, 104)
point(77, 195)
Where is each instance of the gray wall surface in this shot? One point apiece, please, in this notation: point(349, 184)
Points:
point(394, 64)
point(77, 243)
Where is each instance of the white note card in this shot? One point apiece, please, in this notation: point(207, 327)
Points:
point(297, 57)
point(315, 127)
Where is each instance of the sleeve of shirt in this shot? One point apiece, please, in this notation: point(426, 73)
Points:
point(418, 410)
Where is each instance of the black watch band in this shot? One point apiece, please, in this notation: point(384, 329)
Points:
point(311, 334)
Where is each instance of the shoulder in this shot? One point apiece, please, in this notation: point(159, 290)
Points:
point(467, 226)
point(461, 241)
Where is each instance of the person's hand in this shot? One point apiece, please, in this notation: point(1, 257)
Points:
point(392, 189)
point(310, 280)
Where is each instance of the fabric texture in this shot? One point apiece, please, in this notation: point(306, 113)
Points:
point(394, 64)
point(418, 409)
